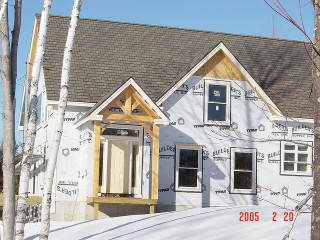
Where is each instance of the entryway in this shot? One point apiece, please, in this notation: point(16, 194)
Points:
point(121, 161)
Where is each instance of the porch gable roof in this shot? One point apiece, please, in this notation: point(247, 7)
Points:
point(94, 112)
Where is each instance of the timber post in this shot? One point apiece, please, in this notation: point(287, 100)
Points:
point(96, 163)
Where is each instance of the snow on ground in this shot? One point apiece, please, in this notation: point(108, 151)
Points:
point(205, 223)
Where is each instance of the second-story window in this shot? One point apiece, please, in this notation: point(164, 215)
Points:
point(217, 102)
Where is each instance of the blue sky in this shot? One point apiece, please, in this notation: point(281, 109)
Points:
point(248, 17)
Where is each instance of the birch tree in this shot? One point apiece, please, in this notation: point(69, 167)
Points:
point(8, 76)
point(31, 123)
point(51, 165)
point(4, 5)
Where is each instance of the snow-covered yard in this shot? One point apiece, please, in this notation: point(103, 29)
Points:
point(205, 223)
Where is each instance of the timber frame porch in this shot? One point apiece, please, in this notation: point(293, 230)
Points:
point(134, 107)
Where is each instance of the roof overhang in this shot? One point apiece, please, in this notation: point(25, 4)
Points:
point(287, 119)
point(74, 104)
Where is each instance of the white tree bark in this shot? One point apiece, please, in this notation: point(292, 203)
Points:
point(4, 5)
point(8, 133)
point(31, 124)
point(51, 165)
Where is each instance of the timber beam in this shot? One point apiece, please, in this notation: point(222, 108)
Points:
point(124, 117)
point(120, 200)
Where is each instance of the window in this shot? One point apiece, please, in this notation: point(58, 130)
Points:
point(188, 168)
point(296, 158)
point(121, 132)
point(217, 102)
point(243, 170)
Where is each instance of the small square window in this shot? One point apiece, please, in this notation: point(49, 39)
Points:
point(296, 158)
point(188, 168)
point(217, 102)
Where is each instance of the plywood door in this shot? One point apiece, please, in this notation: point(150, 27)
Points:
point(118, 163)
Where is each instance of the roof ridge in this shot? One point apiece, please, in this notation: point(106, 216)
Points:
point(184, 29)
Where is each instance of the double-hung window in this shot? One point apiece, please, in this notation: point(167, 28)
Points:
point(217, 102)
point(243, 170)
point(188, 171)
point(296, 158)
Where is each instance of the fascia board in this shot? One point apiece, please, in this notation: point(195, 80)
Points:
point(76, 104)
point(287, 119)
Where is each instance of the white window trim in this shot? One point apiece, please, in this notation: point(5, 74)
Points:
point(253, 189)
point(309, 161)
point(226, 83)
point(198, 188)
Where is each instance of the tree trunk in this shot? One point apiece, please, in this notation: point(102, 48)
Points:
point(8, 133)
point(15, 43)
point(31, 124)
point(51, 165)
point(315, 217)
point(4, 5)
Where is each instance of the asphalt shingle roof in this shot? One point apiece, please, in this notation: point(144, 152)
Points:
point(108, 53)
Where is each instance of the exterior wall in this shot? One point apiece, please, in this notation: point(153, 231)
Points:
point(251, 127)
point(71, 172)
point(70, 184)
